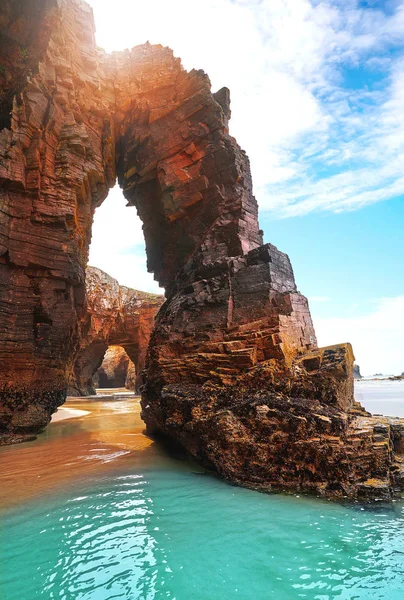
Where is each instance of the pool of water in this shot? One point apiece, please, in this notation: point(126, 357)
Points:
point(94, 510)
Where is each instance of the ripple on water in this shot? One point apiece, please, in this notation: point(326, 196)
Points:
point(170, 534)
point(145, 526)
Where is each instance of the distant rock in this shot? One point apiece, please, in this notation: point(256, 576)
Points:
point(397, 377)
point(131, 377)
point(115, 316)
point(117, 370)
point(357, 372)
point(114, 369)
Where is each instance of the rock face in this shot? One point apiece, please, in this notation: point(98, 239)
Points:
point(233, 371)
point(357, 372)
point(115, 316)
point(131, 378)
point(115, 370)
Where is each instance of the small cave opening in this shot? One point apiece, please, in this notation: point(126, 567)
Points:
point(116, 371)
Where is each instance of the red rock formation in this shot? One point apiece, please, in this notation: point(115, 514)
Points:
point(115, 316)
point(56, 165)
point(233, 371)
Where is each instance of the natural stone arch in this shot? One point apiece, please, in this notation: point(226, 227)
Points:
point(189, 180)
point(115, 316)
point(116, 370)
point(232, 370)
point(79, 118)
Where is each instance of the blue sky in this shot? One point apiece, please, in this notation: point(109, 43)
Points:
point(344, 262)
point(317, 92)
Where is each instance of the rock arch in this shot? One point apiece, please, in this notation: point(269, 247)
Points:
point(115, 316)
point(80, 118)
point(233, 371)
point(116, 370)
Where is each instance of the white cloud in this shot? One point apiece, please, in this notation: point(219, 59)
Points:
point(368, 152)
point(376, 337)
point(283, 62)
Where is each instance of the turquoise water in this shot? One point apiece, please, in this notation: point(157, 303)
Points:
point(153, 526)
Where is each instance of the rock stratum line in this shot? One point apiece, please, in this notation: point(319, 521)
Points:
point(232, 371)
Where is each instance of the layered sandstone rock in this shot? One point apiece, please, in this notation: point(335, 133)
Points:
point(79, 118)
point(56, 166)
point(233, 371)
point(118, 317)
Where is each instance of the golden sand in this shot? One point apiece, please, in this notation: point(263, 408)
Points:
point(98, 436)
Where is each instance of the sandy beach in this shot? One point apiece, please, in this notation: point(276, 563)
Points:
point(63, 413)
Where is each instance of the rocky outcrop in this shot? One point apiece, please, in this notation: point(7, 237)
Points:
point(73, 121)
point(269, 440)
point(131, 378)
point(25, 30)
point(357, 372)
point(234, 375)
point(233, 371)
point(117, 317)
point(113, 372)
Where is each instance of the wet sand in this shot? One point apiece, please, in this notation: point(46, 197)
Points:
point(87, 436)
point(63, 413)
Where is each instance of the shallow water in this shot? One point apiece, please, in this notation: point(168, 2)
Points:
point(94, 510)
